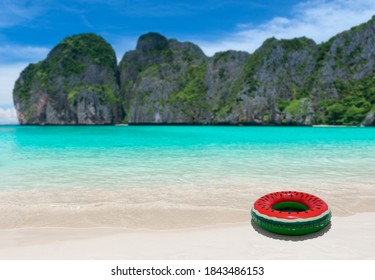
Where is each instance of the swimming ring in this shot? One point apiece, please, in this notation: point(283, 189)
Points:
point(291, 213)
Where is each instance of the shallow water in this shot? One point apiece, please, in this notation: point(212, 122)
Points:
point(189, 167)
point(122, 157)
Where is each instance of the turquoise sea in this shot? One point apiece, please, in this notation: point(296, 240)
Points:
point(33, 157)
point(209, 171)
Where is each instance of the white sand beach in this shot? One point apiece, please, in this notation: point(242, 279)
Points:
point(351, 237)
point(188, 223)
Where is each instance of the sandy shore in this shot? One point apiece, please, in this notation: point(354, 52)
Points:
point(351, 237)
point(158, 208)
point(175, 223)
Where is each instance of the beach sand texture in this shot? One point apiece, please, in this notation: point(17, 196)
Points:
point(172, 224)
point(350, 237)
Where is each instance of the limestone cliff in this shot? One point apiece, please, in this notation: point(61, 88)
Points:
point(164, 81)
point(274, 83)
point(344, 83)
point(75, 84)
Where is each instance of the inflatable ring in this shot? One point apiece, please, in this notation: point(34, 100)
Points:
point(291, 213)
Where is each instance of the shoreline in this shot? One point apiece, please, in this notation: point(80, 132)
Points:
point(191, 124)
point(158, 208)
point(236, 241)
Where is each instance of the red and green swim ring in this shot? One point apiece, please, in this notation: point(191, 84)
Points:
point(291, 213)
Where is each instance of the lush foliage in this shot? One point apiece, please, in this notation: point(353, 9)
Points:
point(356, 99)
point(70, 58)
point(191, 98)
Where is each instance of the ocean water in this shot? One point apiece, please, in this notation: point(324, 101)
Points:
point(119, 157)
point(163, 177)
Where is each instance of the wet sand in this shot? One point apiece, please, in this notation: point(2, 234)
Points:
point(155, 208)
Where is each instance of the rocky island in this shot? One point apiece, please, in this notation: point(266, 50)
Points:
point(164, 81)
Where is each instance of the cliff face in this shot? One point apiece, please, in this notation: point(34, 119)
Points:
point(344, 85)
point(163, 81)
point(274, 83)
point(75, 84)
point(224, 68)
point(166, 81)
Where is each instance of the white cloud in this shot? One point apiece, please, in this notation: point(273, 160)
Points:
point(8, 116)
point(8, 76)
point(316, 19)
point(10, 53)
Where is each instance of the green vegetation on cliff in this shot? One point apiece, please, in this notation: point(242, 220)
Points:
point(288, 82)
point(356, 99)
point(191, 98)
point(74, 53)
point(80, 73)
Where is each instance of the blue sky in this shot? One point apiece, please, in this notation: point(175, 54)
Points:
point(30, 28)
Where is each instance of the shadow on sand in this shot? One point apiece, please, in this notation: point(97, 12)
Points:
point(291, 237)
